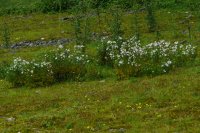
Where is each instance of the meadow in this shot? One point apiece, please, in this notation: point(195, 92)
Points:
point(126, 68)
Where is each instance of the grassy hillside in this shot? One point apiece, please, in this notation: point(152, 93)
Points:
point(101, 102)
point(168, 103)
point(48, 26)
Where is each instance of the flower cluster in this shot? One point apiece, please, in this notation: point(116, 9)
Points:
point(24, 67)
point(66, 63)
point(61, 55)
point(23, 72)
point(60, 64)
point(156, 57)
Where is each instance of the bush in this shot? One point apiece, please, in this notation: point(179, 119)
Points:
point(22, 72)
point(133, 59)
point(107, 49)
point(61, 64)
point(67, 64)
point(3, 69)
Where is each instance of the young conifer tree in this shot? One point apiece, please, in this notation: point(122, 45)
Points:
point(5, 35)
point(151, 21)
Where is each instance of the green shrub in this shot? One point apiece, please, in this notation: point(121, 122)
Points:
point(104, 54)
point(3, 69)
point(59, 65)
point(134, 59)
point(33, 74)
point(67, 64)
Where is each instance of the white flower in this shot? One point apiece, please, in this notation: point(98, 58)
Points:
point(60, 46)
point(121, 62)
point(169, 62)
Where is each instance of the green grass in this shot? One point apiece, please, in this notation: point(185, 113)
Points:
point(167, 103)
point(49, 26)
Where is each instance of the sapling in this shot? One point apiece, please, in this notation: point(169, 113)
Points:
point(60, 10)
point(173, 25)
point(115, 26)
point(87, 30)
point(97, 6)
point(135, 25)
point(5, 35)
point(151, 21)
point(81, 24)
point(189, 26)
point(77, 25)
point(187, 23)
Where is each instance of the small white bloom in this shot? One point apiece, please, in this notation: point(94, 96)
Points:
point(60, 46)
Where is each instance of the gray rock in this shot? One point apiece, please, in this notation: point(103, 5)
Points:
point(61, 41)
point(10, 119)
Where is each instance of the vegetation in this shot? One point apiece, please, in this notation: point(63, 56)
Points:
point(129, 66)
point(25, 7)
